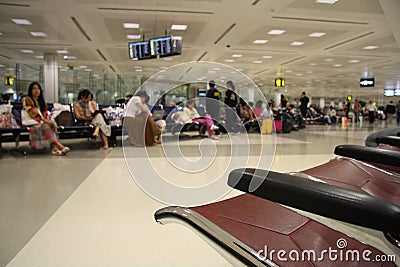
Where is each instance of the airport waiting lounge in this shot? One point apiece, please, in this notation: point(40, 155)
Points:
point(200, 133)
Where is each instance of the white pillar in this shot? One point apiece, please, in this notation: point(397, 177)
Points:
point(322, 103)
point(50, 75)
point(251, 95)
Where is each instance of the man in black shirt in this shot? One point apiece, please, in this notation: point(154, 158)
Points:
point(231, 100)
point(212, 103)
point(303, 104)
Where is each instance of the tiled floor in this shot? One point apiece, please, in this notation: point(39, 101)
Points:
point(85, 209)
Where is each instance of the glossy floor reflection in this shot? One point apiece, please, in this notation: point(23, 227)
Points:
point(85, 209)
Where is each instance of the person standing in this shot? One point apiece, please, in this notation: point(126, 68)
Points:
point(212, 101)
point(304, 104)
point(398, 113)
point(371, 111)
point(42, 130)
point(231, 100)
point(357, 109)
point(390, 111)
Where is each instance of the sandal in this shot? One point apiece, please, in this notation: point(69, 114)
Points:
point(57, 153)
point(65, 150)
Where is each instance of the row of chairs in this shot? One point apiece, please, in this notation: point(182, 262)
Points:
point(361, 187)
point(67, 130)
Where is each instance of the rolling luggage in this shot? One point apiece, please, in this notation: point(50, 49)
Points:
point(286, 126)
point(266, 126)
point(278, 126)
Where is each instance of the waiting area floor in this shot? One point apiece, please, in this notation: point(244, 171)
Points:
point(85, 209)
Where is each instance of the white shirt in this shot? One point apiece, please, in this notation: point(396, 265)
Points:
point(132, 108)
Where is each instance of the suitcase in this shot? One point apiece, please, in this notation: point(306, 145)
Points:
point(266, 126)
point(278, 126)
point(286, 126)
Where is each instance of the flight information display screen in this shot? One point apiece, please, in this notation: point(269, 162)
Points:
point(161, 46)
point(139, 50)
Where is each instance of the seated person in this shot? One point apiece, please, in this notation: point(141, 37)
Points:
point(43, 131)
point(193, 115)
point(86, 112)
point(144, 97)
point(140, 127)
point(331, 115)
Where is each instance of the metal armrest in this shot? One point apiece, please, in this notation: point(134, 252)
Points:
point(319, 198)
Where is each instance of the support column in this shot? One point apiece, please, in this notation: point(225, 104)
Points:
point(50, 73)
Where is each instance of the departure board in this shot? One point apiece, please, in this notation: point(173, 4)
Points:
point(161, 46)
point(139, 50)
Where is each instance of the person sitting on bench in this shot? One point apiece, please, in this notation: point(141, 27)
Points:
point(86, 112)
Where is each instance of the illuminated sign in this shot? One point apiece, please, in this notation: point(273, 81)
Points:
point(280, 82)
point(367, 82)
point(9, 81)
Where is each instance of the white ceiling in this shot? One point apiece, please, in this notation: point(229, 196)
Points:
point(91, 31)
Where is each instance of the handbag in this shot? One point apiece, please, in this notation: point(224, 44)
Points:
point(26, 119)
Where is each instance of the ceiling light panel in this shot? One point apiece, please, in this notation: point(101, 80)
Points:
point(21, 21)
point(179, 27)
point(128, 25)
point(133, 36)
point(317, 34)
point(297, 43)
point(276, 32)
point(260, 41)
point(27, 51)
point(326, 1)
point(38, 34)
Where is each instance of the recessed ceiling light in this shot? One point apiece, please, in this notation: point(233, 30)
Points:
point(266, 56)
point(237, 55)
point(229, 60)
point(27, 51)
point(337, 65)
point(39, 57)
point(138, 70)
point(370, 47)
point(133, 36)
point(137, 67)
point(83, 67)
point(1, 33)
point(176, 37)
point(257, 61)
point(354, 61)
point(276, 32)
point(88, 69)
point(309, 71)
point(21, 21)
point(179, 27)
point(316, 34)
point(259, 41)
point(299, 74)
point(288, 71)
point(38, 34)
point(211, 71)
point(326, 1)
point(328, 59)
point(62, 51)
point(297, 43)
point(128, 25)
point(313, 64)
